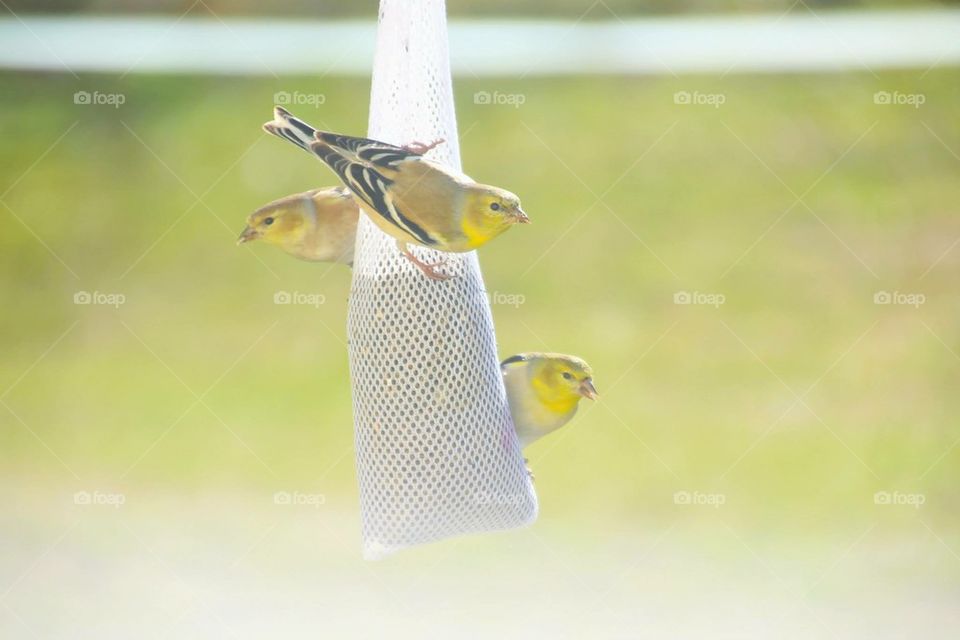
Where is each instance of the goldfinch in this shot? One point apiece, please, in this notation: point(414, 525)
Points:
point(414, 200)
point(318, 225)
point(544, 390)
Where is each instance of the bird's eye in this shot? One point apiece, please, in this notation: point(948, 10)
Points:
point(495, 206)
point(567, 375)
point(268, 221)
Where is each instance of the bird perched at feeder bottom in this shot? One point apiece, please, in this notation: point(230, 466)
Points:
point(544, 390)
point(318, 225)
point(412, 199)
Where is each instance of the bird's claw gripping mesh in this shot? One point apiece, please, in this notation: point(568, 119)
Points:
point(436, 451)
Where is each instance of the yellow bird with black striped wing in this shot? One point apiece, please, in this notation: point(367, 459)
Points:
point(411, 198)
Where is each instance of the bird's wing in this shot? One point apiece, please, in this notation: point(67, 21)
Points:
point(367, 167)
point(381, 155)
point(517, 359)
point(368, 183)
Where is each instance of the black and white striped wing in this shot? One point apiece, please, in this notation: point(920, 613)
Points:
point(372, 187)
point(373, 152)
point(379, 154)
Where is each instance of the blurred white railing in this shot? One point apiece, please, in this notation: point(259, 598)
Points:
point(801, 41)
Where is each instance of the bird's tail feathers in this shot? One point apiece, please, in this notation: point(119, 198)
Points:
point(285, 125)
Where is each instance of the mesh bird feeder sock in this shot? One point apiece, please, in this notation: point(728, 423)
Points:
point(436, 452)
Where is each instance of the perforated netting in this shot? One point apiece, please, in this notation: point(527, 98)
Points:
point(436, 451)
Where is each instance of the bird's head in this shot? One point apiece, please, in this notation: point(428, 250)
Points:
point(562, 379)
point(490, 211)
point(281, 223)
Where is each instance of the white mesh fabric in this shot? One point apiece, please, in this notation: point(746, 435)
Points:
point(436, 451)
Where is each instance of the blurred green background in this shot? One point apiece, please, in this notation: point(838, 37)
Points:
point(796, 400)
point(686, 206)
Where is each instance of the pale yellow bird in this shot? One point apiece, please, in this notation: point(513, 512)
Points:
point(544, 391)
point(318, 225)
point(411, 198)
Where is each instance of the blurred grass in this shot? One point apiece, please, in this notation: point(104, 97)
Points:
point(694, 198)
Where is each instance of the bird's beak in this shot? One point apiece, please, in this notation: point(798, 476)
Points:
point(249, 233)
point(521, 217)
point(587, 390)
